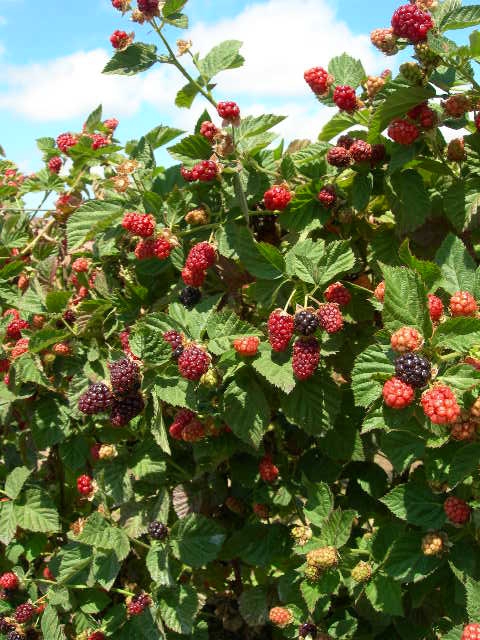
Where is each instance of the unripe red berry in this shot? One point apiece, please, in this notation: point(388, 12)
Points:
point(268, 471)
point(65, 141)
point(99, 141)
point(406, 339)
point(247, 345)
point(280, 329)
point(379, 292)
point(462, 303)
point(24, 612)
point(330, 317)
point(411, 23)
point(319, 81)
point(435, 307)
point(277, 198)
point(80, 265)
point(201, 257)
point(339, 157)
point(327, 196)
point(440, 405)
point(193, 362)
point(397, 394)
point(9, 581)
point(193, 431)
point(457, 510)
point(120, 39)
point(193, 277)
point(208, 130)
point(85, 485)
point(229, 111)
point(345, 98)
point(306, 356)
point(471, 632)
point(139, 224)
point(55, 164)
point(361, 151)
point(205, 171)
point(457, 106)
point(338, 293)
point(456, 150)
point(280, 617)
point(403, 131)
point(20, 348)
point(384, 40)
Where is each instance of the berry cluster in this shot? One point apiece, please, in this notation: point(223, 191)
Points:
point(139, 224)
point(157, 530)
point(200, 258)
point(280, 617)
point(121, 39)
point(268, 470)
point(194, 362)
point(277, 198)
point(85, 485)
point(246, 345)
point(345, 98)
point(139, 603)
point(319, 81)
point(411, 23)
point(403, 131)
point(204, 171)
point(457, 510)
point(229, 111)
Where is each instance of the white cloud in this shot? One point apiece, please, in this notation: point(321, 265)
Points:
point(281, 39)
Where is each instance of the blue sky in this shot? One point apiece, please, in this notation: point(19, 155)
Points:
point(52, 51)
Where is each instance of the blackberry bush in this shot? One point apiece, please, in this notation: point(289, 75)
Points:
point(241, 392)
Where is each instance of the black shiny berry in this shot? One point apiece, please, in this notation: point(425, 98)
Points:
point(4, 625)
point(157, 530)
point(69, 316)
point(124, 376)
point(190, 296)
point(176, 353)
point(413, 369)
point(125, 409)
point(15, 635)
point(96, 399)
point(306, 322)
point(307, 629)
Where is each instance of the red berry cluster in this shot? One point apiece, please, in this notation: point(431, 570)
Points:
point(397, 394)
point(457, 510)
point(65, 141)
point(327, 196)
point(345, 98)
point(120, 39)
point(338, 293)
point(306, 356)
point(471, 632)
point(208, 130)
point(435, 307)
point(267, 469)
point(246, 345)
point(204, 171)
point(280, 329)
point(80, 265)
point(200, 258)
point(411, 23)
point(138, 604)
point(403, 131)
point(319, 81)
point(424, 116)
point(85, 485)
point(339, 156)
point(462, 303)
point(330, 317)
point(15, 328)
point(55, 164)
point(149, 8)
point(24, 612)
point(9, 581)
point(229, 111)
point(406, 339)
point(277, 198)
point(440, 405)
point(139, 224)
point(194, 362)
point(99, 141)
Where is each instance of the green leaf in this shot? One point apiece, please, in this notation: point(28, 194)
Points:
point(196, 540)
point(27, 369)
point(132, 60)
point(178, 608)
point(457, 265)
point(255, 125)
point(162, 135)
point(50, 623)
point(458, 334)
point(8, 522)
point(411, 203)
point(402, 448)
point(223, 56)
point(91, 218)
point(223, 327)
point(186, 95)
point(56, 301)
point(461, 202)
point(385, 595)
point(172, 6)
point(371, 363)
point(158, 563)
point(461, 377)
point(99, 534)
point(472, 588)
point(416, 504)
point(319, 505)
point(15, 481)
point(406, 561)
point(405, 301)
point(347, 71)
point(36, 512)
point(396, 104)
point(245, 408)
point(276, 368)
point(337, 528)
point(253, 606)
point(194, 147)
point(338, 124)
point(461, 18)
point(361, 190)
point(44, 338)
point(239, 240)
point(464, 463)
point(429, 271)
point(94, 119)
point(105, 567)
point(313, 405)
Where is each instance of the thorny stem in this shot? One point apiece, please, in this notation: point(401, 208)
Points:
point(36, 240)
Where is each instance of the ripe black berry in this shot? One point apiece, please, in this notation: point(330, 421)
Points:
point(176, 353)
point(306, 322)
point(157, 530)
point(190, 296)
point(96, 399)
point(124, 376)
point(4, 625)
point(413, 369)
point(307, 629)
point(126, 409)
point(15, 635)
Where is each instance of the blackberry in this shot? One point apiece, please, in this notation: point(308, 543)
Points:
point(126, 409)
point(413, 369)
point(157, 530)
point(124, 376)
point(306, 322)
point(307, 629)
point(69, 316)
point(5, 626)
point(176, 353)
point(190, 296)
point(96, 399)
point(15, 635)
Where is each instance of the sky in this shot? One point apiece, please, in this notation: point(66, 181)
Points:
point(52, 53)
